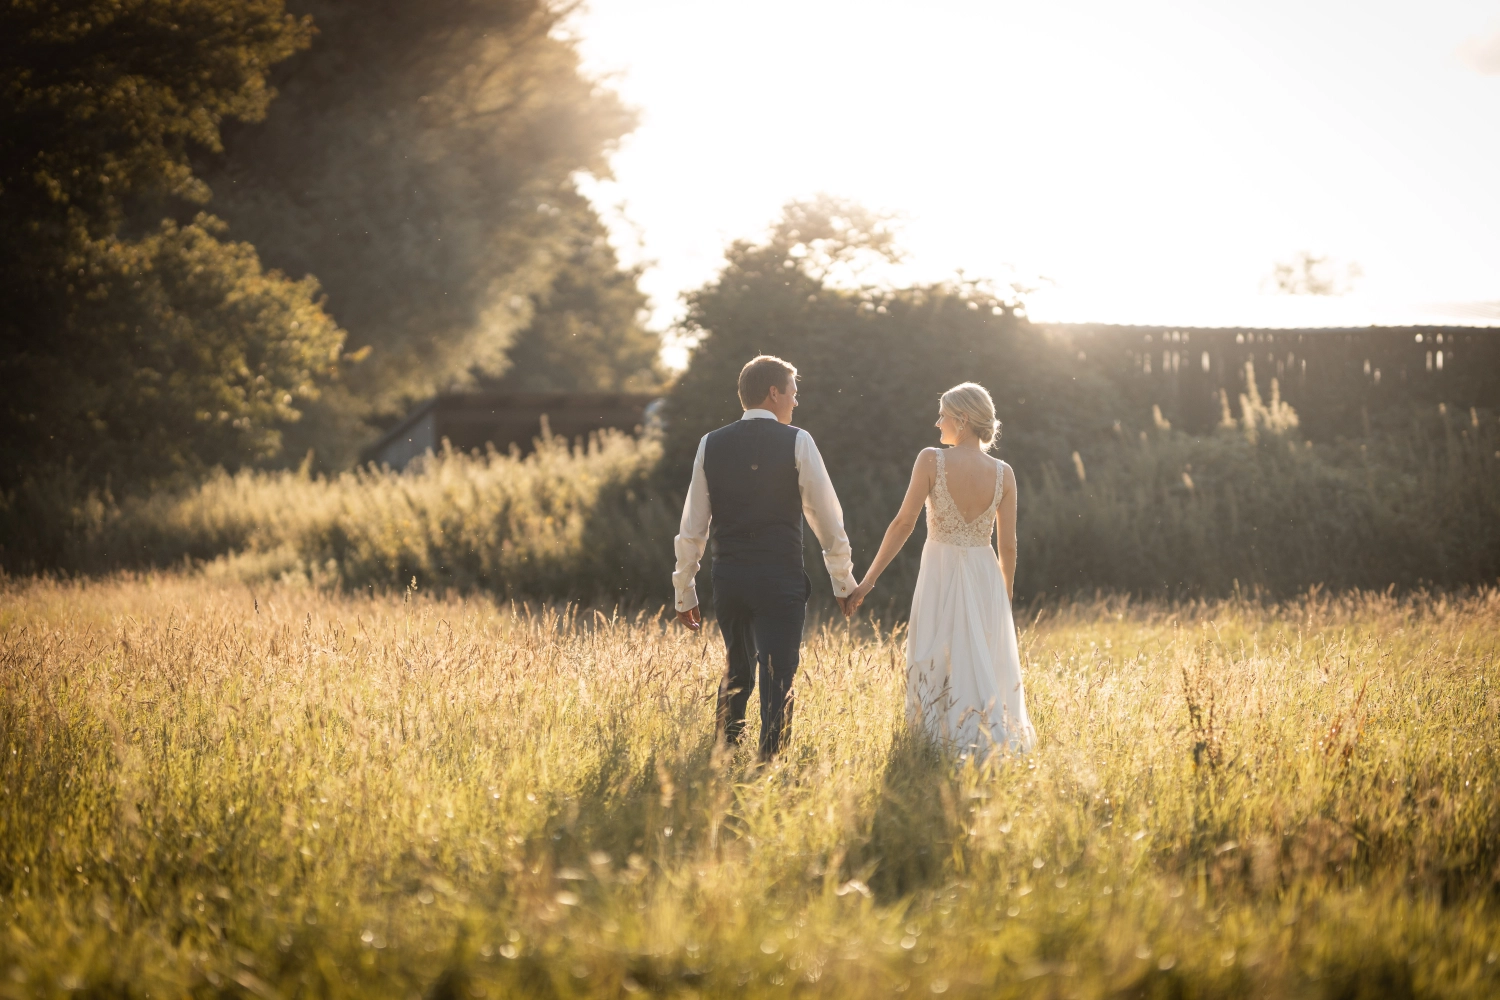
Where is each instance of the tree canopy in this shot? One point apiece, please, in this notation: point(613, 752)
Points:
point(585, 332)
point(104, 100)
point(130, 348)
point(420, 162)
point(411, 168)
point(873, 359)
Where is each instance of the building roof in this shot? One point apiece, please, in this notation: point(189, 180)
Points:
point(499, 403)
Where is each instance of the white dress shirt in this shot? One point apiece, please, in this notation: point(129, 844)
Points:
point(820, 505)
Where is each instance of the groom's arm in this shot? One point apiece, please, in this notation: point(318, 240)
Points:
point(820, 505)
point(691, 540)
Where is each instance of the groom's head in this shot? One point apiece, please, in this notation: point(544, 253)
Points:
point(769, 383)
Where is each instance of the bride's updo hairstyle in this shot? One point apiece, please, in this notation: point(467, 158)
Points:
point(970, 404)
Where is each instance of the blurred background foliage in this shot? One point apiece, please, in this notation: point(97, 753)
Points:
point(1167, 514)
point(397, 181)
point(1112, 499)
point(395, 213)
point(420, 160)
point(585, 331)
point(181, 354)
point(872, 360)
point(130, 349)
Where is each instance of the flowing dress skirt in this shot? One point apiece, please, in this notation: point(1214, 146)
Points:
point(963, 669)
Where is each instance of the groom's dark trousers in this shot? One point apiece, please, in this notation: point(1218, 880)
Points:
point(760, 587)
point(761, 612)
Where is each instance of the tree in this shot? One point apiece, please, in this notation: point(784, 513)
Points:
point(873, 360)
point(586, 331)
point(1309, 274)
point(105, 100)
point(130, 348)
point(419, 161)
point(189, 356)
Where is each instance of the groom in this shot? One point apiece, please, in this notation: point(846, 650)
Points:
point(754, 480)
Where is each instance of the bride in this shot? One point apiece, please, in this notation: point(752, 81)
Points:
point(963, 670)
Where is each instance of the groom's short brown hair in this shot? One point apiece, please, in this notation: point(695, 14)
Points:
point(760, 374)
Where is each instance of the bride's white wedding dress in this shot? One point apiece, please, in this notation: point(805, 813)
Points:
point(963, 670)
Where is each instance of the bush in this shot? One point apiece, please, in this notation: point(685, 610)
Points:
point(873, 360)
point(1161, 513)
point(1191, 516)
point(559, 523)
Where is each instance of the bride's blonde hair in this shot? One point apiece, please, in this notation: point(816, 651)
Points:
point(970, 403)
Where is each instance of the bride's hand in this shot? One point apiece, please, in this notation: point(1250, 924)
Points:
point(857, 596)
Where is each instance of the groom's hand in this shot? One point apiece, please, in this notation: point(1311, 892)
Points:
point(692, 618)
point(844, 606)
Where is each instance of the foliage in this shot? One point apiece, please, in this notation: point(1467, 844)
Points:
point(558, 521)
point(126, 352)
point(420, 164)
point(419, 161)
point(177, 352)
point(1309, 274)
point(585, 332)
point(1166, 513)
point(105, 100)
point(1161, 514)
point(872, 360)
point(212, 790)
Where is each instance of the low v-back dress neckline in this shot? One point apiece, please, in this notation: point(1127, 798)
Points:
point(963, 663)
point(951, 519)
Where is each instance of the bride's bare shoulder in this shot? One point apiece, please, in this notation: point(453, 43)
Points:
point(926, 463)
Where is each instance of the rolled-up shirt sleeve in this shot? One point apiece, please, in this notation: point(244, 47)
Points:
point(820, 505)
point(692, 536)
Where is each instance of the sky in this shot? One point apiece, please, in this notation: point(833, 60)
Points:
point(1146, 162)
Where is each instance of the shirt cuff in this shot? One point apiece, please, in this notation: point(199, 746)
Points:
point(687, 599)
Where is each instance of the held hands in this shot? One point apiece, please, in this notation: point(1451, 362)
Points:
point(851, 603)
point(692, 618)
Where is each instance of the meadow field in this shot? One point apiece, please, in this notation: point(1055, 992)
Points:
point(210, 788)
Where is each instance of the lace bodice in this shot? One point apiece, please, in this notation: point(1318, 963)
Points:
point(945, 524)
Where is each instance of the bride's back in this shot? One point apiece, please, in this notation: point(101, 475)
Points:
point(972, 480)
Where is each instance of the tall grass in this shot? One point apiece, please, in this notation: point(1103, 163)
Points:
point(1164, 514)
point(212, 791)
point(1170, 514)
point(563, 521)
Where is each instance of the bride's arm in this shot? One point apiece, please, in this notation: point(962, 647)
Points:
point(922, 475)
point(1005, 525)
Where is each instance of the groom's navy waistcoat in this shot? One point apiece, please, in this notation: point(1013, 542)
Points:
point(751, 470)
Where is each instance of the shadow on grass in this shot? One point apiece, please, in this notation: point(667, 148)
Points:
point(910, 844)
point(637, 804)
point(1380, 977)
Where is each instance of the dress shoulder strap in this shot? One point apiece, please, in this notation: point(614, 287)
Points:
point(999, 481)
